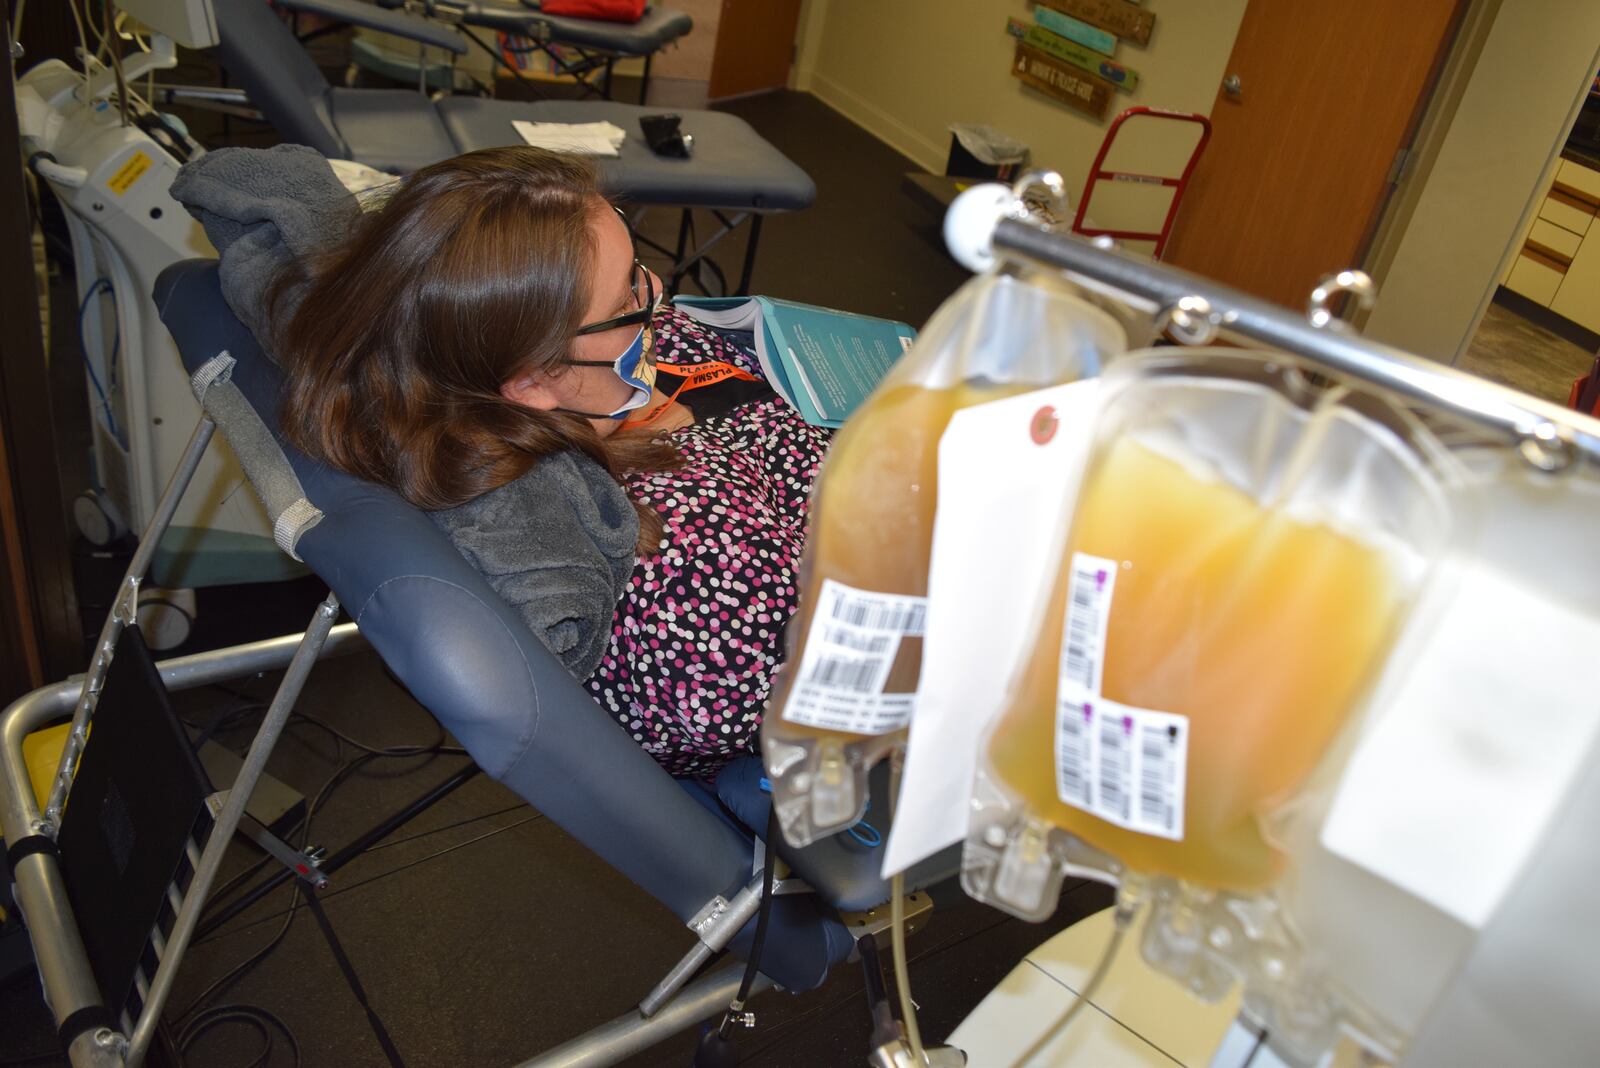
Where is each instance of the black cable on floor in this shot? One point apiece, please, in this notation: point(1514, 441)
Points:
point(195, 1019)
point(260, 1019)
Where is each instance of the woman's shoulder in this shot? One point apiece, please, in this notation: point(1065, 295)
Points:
point(681, 339)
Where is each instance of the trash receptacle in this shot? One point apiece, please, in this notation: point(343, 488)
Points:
point(978, 151)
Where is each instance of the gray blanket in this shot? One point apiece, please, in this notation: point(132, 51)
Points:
point(263, 209)
point(557, 544)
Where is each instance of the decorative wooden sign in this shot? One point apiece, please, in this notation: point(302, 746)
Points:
point(1075, 31)
point(1075, 88)
point(1074, 53)
point(1118, 16)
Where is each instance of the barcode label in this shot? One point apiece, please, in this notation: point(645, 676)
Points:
point(875, 611)
point(1113, 766)
point(1083, 639)
point(1163, 755)
point(859, 640)
point(857, 676)
point(1073, 748)
point(1123, 764)
point(849, 650)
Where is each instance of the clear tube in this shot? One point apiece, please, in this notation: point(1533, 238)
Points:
point(1121, 921)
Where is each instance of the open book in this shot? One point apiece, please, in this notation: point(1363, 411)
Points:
point(824, 363)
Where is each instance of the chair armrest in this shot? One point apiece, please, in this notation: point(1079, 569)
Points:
point(373, 17)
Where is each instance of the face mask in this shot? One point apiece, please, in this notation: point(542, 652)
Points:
point(636, 367)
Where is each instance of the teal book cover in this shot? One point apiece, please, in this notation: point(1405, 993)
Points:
point(823, 362)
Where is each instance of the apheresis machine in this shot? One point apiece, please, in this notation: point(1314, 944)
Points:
point(109, 158)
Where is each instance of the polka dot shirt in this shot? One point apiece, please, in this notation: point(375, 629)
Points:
point(699, 632)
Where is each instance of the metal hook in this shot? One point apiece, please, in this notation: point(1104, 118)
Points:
point(1547, 447)
point(1191, 321)
point(1051, 209)
point(1357, 283)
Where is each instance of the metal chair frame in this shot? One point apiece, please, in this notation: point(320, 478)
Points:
point(101, 1036)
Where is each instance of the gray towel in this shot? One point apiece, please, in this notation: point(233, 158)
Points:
point(262, 210)
point(521, 538)
point(557, 544)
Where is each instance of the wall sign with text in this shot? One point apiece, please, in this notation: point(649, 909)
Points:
point(1067, 53)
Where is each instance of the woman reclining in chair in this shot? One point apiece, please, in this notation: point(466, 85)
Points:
point(493, 314)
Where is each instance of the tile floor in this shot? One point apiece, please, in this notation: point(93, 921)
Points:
point(1516, 352)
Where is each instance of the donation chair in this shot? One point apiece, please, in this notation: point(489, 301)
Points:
point(732, 172)
point(459, 650)
point(585, 50)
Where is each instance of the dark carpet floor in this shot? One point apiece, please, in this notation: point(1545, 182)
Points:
point(482, 932)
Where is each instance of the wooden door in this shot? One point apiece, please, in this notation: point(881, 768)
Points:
point(1304, 142)
point(755, 46)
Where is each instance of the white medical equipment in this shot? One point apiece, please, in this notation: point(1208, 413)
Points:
point(92, 144)
point(1435, 906)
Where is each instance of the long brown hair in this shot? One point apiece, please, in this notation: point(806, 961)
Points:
point(474, 270)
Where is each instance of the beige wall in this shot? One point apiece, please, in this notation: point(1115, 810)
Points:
point(905, 71)
point(1518, 104)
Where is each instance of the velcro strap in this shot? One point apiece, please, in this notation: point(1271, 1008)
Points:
point(293, 521)
point(217, 369)
point(28, 846)
point(88, 1018)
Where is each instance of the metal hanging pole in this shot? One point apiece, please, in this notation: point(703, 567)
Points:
point(1547, 435)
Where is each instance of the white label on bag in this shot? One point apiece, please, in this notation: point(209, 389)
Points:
point(1126, 765)
point(1123, 764)
point(854, 638)
point(1083, 642)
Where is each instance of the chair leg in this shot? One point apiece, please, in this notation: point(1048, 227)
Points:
point(632, 1032)
point(715, 924)
point(390, 1052)
point(749, 256)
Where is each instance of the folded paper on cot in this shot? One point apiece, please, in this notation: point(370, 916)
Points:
point(579, 138)
point(1007, 472)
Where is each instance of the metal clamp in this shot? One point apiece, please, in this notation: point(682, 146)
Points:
point(707, 917)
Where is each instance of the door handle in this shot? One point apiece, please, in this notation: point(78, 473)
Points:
point(1233, 86)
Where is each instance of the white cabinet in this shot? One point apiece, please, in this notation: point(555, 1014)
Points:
point(1558, 265)
point(1578, 297)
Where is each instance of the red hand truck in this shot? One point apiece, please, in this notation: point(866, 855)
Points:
point(1097, 173)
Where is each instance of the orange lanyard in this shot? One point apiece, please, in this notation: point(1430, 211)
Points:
point(693, 376)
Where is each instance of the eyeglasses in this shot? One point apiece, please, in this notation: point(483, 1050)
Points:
point(643, 291)
point(644, 303)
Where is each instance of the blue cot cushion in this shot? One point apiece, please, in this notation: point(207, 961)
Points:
point(732, 166)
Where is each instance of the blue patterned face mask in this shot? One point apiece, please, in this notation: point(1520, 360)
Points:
point(636, 367)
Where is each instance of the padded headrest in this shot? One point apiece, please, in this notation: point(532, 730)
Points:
point(432, 618)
